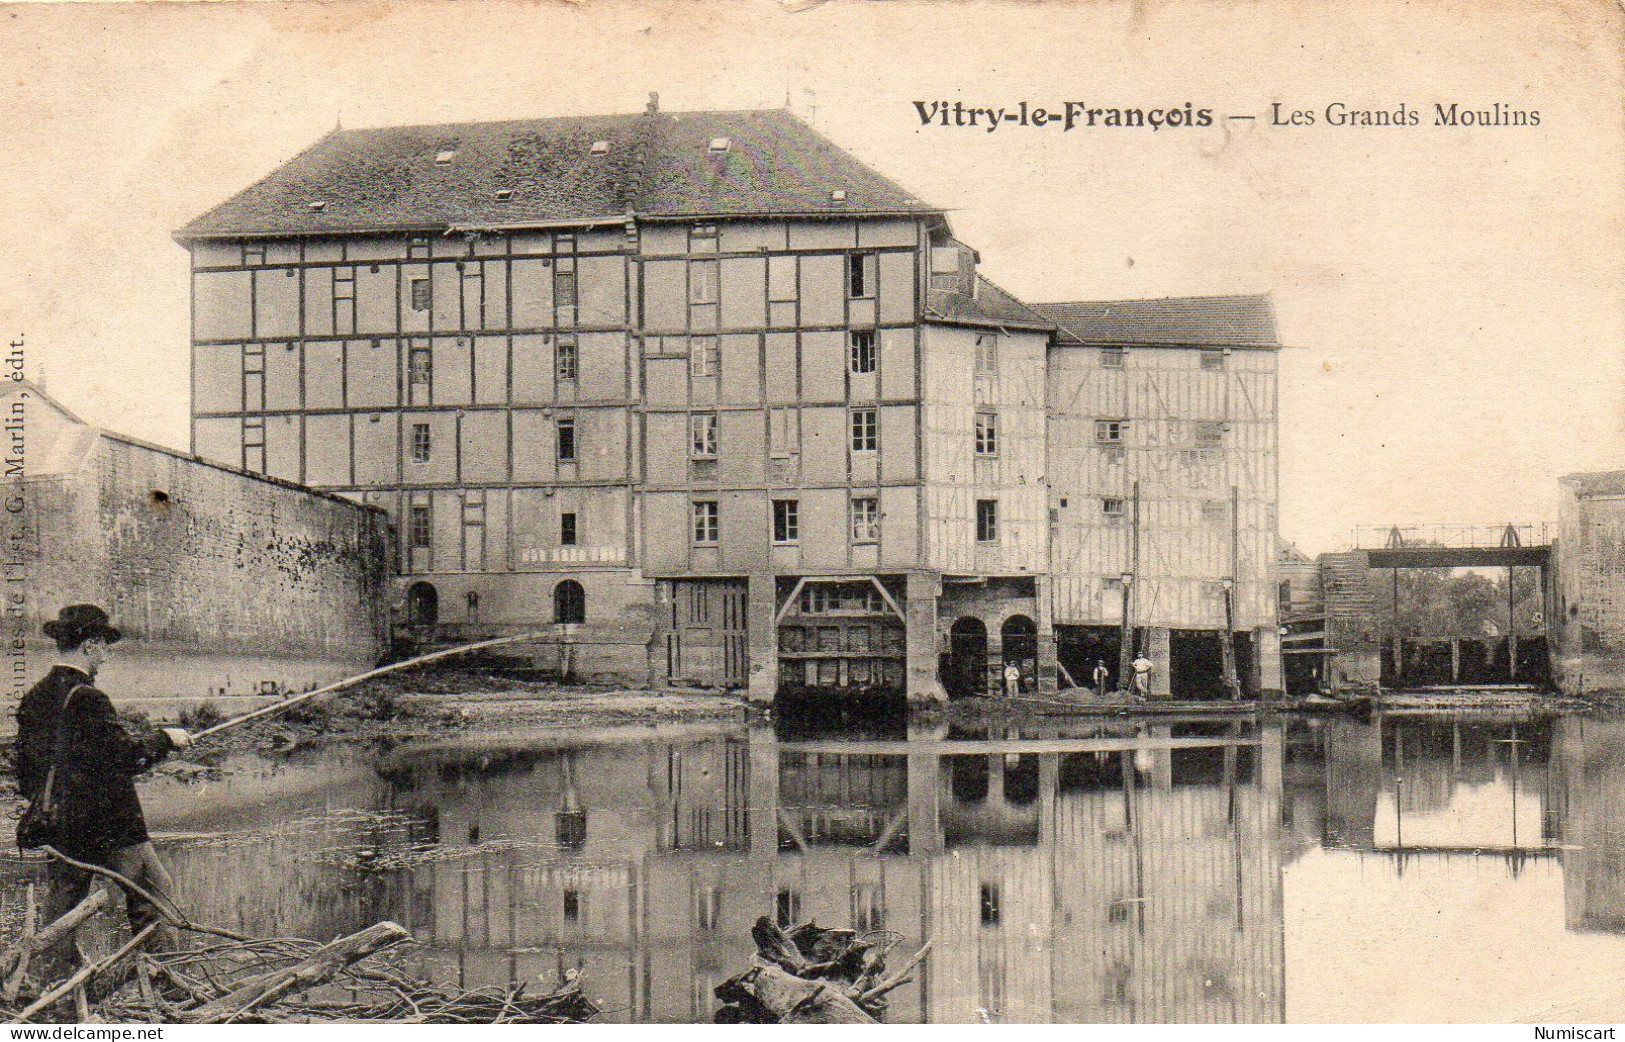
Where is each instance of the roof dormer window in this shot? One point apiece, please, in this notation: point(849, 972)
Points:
point(600, 147)
point(720, 144)
point(445, 156)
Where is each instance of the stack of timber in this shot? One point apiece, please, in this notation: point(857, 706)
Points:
point(813, 975)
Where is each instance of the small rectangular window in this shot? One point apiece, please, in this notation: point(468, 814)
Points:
point(572, 906)
point(421, 443)
point(987, 434)
point(1215, 510)
point(1109, 432)
point(783, 432)
point(702, 282)
point(987, 520)
point(567, 529)
point(987, 354)
point(861, 354)
point(1209, 434)
point(703, 435)
point(992, 914)
point(565, 441)
point(702, 238)
point(860, 275)
point(420, 364)
point(708, 908)
point(568, 358)
point(868, 907)
point(422, 295)
point(781, 279)
point(865, 430)
point(705, 522)
point(1212, 359)
point(786, 521)
point(564, 284)
point(702, 356)
point(789, 908)
point(420, 528)
point(1111, 507)
point(865, 519)
point(1111, 357)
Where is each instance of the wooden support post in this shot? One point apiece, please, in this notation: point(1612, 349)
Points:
point(1227, 643)
point(1125, 648)
point(1512, 622)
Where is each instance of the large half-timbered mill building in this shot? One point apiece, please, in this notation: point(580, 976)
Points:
point(701, 392)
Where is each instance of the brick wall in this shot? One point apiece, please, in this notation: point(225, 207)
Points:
point(196, 562)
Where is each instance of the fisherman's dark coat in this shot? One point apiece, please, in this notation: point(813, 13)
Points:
point(95, 779)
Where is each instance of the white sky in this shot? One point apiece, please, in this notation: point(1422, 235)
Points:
point(1455, 294)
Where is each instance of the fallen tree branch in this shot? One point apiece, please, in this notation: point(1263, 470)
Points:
point(83, 974)
point(320, 967)
point(166, 908)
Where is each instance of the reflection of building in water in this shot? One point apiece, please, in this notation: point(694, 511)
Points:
point(1132, 878)
point(1416, 786)
point(1589, 788)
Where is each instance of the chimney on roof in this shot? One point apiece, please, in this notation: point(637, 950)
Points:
point(654, 104)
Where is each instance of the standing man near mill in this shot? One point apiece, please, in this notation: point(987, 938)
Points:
point(69, 736)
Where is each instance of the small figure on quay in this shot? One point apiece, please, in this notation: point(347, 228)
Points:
point(1102, 677)
point(77, 766)
point(1142, 676)
point(1012, 679)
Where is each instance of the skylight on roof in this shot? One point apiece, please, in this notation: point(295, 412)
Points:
point(318, 205)
point(837, 195)
point(720, 144)
point(504, 194)
point(445, 156)
point(600, 147)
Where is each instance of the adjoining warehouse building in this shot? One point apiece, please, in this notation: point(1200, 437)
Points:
point(721, 404)
point(1590, 602)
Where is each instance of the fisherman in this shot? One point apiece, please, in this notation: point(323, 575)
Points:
point(1142, 676)
point(65, 722)
point(1102, 677)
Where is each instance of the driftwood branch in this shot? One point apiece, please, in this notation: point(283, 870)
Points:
point(84, 974)
point(166, 908)
point(16, 958)
point(794, 1000)
point(897, 979)
point(320, 967)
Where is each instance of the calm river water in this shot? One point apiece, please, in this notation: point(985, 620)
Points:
point(1417, 868)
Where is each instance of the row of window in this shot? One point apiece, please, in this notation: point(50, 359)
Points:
point(704, 281)
point(1207, 434)
point(863, 521)
point(420, 527)
point(1212, 358)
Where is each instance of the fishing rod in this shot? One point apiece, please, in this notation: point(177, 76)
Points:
point(433, 656)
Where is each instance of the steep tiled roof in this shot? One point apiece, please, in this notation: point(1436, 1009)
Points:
point(991, 306)
point(1236, 321)
point(1596, 483)
point(449, 175)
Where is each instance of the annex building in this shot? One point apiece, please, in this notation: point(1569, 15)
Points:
point(724, 406)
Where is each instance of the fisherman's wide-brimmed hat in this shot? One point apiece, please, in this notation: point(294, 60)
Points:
point(81, 622)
